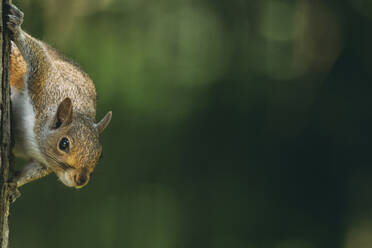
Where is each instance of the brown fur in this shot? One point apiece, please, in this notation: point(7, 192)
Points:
point(17, 68)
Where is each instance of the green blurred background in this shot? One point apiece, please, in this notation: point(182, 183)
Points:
point(236, 123)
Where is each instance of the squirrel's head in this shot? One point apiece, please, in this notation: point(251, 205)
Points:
point(72, 147)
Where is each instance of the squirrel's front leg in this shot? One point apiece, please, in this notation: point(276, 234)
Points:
point(33, 51)
point(30, 172)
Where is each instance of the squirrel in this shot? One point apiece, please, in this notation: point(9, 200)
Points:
point(54, 109)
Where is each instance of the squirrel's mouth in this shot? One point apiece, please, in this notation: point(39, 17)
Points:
point(65, 178)
point(71, 178)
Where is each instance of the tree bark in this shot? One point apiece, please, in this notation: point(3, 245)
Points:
point(5, 130)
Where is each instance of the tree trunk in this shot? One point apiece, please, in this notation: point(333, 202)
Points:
point(5, 128)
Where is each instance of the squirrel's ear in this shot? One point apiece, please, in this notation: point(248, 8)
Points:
point(104, 122)
point(64, 114)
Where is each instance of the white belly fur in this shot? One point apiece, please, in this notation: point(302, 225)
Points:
point(26, 144)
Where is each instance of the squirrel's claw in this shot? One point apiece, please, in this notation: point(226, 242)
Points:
point(15, 11)
point(14, 18)
point(14, 21)
point(14, 193)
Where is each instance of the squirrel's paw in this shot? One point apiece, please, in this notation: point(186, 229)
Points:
point(14, 18)
point(14, 193)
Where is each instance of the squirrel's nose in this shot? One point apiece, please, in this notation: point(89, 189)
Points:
point(80, 179)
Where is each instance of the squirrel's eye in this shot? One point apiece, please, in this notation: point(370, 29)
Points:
point(64, 144)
